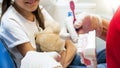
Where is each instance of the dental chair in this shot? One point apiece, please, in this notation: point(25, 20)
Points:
point(5, 59)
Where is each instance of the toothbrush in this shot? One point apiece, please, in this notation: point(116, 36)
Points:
point(72, 7)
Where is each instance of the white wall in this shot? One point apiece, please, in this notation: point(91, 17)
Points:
point(105, 8)
point(0, 0)
point(0, 6)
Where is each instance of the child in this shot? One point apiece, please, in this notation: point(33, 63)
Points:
point(21, 20)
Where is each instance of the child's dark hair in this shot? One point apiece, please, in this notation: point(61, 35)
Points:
point(37, 12)
point(39, 17)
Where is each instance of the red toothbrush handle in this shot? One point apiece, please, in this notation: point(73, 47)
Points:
point(72, 7)
point(74, 17)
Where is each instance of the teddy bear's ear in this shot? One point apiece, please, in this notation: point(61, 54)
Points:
point(47, 30)
point(55, 26)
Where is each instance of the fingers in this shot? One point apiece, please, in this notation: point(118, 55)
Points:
point(85, 25)
point(87, 22)
point(77, 26)
point(96, 23)
point(79, 19)
point(80, 31)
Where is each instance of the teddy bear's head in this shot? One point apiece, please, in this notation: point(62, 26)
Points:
point(49, 41)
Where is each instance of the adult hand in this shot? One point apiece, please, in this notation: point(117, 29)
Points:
point(87, 22)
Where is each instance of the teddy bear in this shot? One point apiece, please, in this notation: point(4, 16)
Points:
point(49, 39)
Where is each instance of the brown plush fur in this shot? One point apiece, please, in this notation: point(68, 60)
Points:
point(49, 40)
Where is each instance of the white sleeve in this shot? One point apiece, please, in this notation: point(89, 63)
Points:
point(40, 60)
point(12, 33)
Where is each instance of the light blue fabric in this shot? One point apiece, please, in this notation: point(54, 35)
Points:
point(103, 65)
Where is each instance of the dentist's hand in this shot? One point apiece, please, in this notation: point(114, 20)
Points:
point(87, 22)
